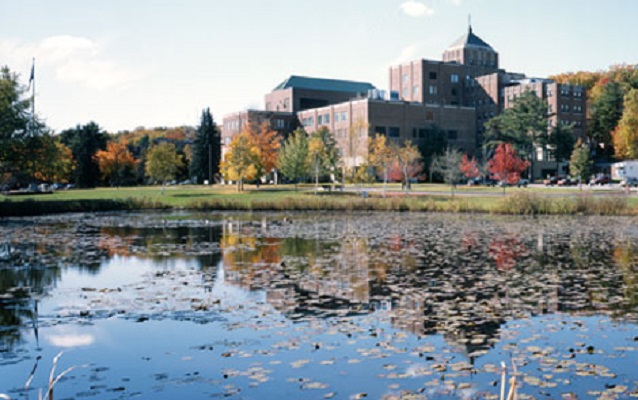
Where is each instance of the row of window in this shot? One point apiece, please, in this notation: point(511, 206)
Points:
point(324, 119)
point(417, 133)
point(454, 78)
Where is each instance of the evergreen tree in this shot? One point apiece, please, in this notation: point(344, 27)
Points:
point(206, 150)
point(580, 162)
point(85, 141)
point(605, 114)
point(561, 142)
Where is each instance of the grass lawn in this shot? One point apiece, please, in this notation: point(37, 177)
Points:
point(424, 197)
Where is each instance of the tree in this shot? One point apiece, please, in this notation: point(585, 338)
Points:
point(15, 117)
point(625, 136)
point(448, 165)
point(524, 126)
point(52, 161)
point(316, 154)
point(409, 161)
point(331, 156)
point(114, 161)
point(352, 148)
point(163, 162)
point(606, 111)
point(381, 156)
point(469, 167)
point(561, 143)
point(580, 162)
point(267, 143)
point(241, 160)
point(205, 153)
point(293, 159)
point(84, 141)
point(506, 166)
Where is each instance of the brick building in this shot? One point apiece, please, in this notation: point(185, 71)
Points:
point(458, 94)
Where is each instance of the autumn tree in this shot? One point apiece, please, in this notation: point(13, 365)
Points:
point(506, 166)
point(205, 153)
point(330, 151)
point(241, 160)
point(114, 161)
point(357, 133)
point(469, 167)
point(316, 155)
point(163, 163)
point(266, 142)
point(448, 165)
point(409, 162)
point(580, 163)
point(625, 136)
point(381, 156)
point(52, 161)
point(293, 159)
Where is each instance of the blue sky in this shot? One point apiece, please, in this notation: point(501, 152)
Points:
point(125, 64)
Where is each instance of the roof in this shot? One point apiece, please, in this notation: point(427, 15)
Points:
point(335, 85)
point(470, 40)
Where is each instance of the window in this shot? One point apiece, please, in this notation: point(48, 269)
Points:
point(320, 120)
point(414, 133)
point(344, 116)
point(423, 133)
point(578, 109)
point(453, 92)
point(405, 78)
point(452, 135)
point(429, 116)
point(336, 117)
point(432, 89)
point(380, 130)
point(394, 131)
point(311, 121)
point(406, 92)
point(286, 104)
point(280, 124)
point(432, 75)
point(326, 119)
point(415, 91)
point(454, 78)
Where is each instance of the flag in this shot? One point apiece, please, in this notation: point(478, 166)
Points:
point(32, 77)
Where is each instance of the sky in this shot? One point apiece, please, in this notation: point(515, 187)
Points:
point(126, 64)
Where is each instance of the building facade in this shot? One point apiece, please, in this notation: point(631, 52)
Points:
point(458, 94)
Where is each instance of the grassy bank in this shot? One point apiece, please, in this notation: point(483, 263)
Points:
point(529, 202)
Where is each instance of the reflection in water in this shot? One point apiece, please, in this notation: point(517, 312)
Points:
point(461, 279)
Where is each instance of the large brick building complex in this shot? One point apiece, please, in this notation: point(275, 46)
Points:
point(458, 94)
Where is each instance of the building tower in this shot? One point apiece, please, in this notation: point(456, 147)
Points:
point(470, 49)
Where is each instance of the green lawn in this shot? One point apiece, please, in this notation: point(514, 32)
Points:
point(423, 197)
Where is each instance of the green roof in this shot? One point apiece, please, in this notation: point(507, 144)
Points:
point(334, 85)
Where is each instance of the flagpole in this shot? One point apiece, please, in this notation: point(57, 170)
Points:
point(33, 96)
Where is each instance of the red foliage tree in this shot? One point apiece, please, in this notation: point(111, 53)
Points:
point(468, 167)
point(506, 165)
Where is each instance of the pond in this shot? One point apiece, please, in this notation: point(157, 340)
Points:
point(318, 305)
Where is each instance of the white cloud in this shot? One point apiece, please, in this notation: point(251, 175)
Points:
point(408, 53)
point(73, 59)
point(455, 2)
point(415, 8)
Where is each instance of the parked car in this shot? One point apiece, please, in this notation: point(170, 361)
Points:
point(551, 181)
point(629, 182)
point(522, 182)
point(57, 186)
point(70, 186)
point(567, 182)
point(601, 180)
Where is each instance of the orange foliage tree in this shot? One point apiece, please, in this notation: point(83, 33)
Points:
point(469, 167)
point(114, 160)
point(506, 165)
point(267, 143)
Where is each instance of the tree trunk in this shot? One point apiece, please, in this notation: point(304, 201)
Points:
point(385, 180)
